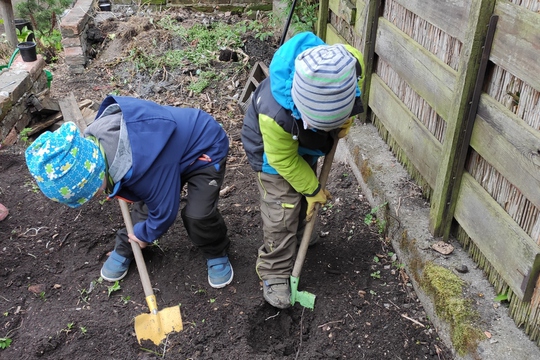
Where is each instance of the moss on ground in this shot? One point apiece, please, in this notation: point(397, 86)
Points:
point(446, 288)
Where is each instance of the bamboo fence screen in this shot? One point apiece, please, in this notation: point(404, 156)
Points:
point(454, 89)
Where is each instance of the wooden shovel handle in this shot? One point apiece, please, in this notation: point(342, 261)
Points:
point(310, 225)
point(141, 265)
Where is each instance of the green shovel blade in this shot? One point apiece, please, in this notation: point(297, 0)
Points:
point(304, 298)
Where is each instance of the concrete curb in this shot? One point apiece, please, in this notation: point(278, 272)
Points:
point(383, 179)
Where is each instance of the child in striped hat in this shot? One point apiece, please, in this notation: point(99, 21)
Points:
point(307, 102)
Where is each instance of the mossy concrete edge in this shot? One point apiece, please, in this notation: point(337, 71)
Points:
point(383, 179)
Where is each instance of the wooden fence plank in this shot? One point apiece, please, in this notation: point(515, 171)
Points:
point(323, 20)
point(516, 44)
point(362, 20)
point(422, 149)
point(455, 144)
point(333, 36)
point(509, 145)
point(431, 78)
point(512, 253)
point(449, 16)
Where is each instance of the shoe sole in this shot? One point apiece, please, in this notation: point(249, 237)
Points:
point(113, 279)
point(219, 286)
point(279, 305)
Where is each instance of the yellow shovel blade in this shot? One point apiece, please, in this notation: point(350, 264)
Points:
point(155, 327)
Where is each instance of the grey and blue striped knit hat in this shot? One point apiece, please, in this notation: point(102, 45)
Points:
point(324, 86)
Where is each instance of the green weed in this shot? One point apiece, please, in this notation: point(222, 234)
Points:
point(23, 136)
point(371, 218)
point(5, 342)
point(112, 288)
point(501, 297)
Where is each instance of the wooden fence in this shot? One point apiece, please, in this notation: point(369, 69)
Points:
point(454, 89)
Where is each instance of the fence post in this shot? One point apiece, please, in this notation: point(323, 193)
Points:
point(322, 21)
point(448, 180)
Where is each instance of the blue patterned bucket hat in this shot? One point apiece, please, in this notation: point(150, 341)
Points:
point(68, 168)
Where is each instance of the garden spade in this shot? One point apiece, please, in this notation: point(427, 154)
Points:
point(305, 298)
point(156, 325)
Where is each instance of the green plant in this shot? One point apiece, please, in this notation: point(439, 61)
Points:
point(49, 43)
point(112, 288)
point(125, 299)
point(203, 44)
point(83, 329)
point(305, 15)
point(32, 185)
point(202, 81)
point(42, 13)
point(23, 135)
point(84, 295)
point(212, 301)
point(41, 296)
point(376, 274)
point(68, 328)
point(5, 342)
point(371, 218)
point(198, 291)
point(501, 297)
point(22, 35)
point(156, 244)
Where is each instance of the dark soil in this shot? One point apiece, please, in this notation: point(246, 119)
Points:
point(54, 305)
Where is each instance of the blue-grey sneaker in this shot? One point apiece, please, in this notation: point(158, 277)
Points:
point(220, 272)
point(115, 268)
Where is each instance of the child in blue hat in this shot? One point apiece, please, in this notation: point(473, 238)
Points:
point(144, 153)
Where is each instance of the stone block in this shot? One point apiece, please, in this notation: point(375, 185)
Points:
point(34, 68)
point(5, 106)
point(76, 69)
point(76, 19)
point(17, 82)
point(74, 56)
point(71, 42)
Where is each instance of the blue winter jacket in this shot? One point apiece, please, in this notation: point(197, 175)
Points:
point(166, 143)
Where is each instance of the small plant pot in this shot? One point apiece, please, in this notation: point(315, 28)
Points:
point(105, 6)
point(28, 51)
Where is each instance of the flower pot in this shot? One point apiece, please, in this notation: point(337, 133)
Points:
point(105, 6)
point(28, 51)
point(20, 24)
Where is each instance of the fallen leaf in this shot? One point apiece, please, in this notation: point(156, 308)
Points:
point(488, 334)
point(442, 247)
point(36, 289)
point(3, 212)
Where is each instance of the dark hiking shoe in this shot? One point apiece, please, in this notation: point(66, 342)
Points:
point(220, 272)
point(115, 268)
point(277, 292)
